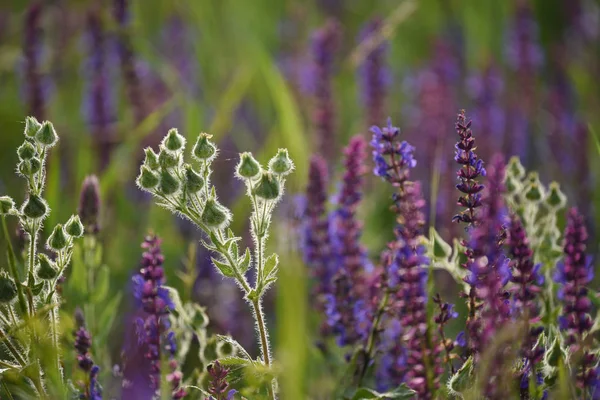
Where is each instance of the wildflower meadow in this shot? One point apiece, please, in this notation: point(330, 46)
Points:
point(299, 200)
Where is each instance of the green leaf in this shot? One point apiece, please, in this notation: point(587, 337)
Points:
point(224, 268)
point(101, 285)
point(235, 344)
point(244, 263)
point(235, 362)
point(108, 315)
point(37, 289)
point(270, 268)
point(440, 248)
point(462, 379)
point(402, 392)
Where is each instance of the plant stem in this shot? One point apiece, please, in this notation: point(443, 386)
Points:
point(264, 341)
point(12, 265)
point(11, 347)
point(372, 334)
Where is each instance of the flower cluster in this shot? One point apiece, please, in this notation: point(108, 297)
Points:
point(392, 158)
point(218, 386)
point(91, 389)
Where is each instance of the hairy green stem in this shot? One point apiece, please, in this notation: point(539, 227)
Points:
point(12, 265)
point(264, 340)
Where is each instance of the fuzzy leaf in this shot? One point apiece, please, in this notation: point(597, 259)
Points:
point(462, 379)
point(101, 285)
point(439, 247)
point(235, 344)
point(225, 269)
point(244, 263)
point(402, 392)
point(37, 289)
point(270, 268)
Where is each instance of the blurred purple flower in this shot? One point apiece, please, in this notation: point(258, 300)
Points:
point(91, 389)
point(218, 385)
point(36, 85)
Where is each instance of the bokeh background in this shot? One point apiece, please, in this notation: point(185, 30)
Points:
point(114, 76)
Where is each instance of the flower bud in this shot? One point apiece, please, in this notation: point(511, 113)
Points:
point(215, 215)
point(35, 207)
point(268, 187)
point(248, 167)
point(204, 149)
point(89, 204)
point(168, 183)
point(281, 164)
point(167, 159)
point(7, 205)
point(46, 269)
point(32, 126)
point(58, 239)
point(193, 180)
point(8, 289)
point(173, 141)
point(147, 179)
point(47, 136)
point(534, 190)
point(26, 151)
point(151, 160)
point(556, 198)
point(74, 226)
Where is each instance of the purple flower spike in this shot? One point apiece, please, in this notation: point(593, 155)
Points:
point(393, 159)
point(373, 73)
point(91, 389)
point(325, 44)
point(34, 81)
point(574, 273)
point(471, 169)
point(218, 386)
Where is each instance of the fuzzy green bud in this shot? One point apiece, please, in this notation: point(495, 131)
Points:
point(556, 198)
point(166, 159)
point(193, 180)
point(46, 269)
point(204, 149)
point(8, 289)
point(173, 141)
point(147, 178)
point(32, 126)
point(215, 215)
point(281, 164)
point(74, 227)
point(26, 151)
point(151, 160)
point(7, 205)
point(47, 135)
point(268, 187)
point(58, 239)
point(534, 190)
point(248, 167)
point(168, 183)
point(35, 207)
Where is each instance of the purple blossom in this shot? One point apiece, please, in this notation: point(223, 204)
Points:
point(34, 81)
point(393, 159)
point(471, 169)
point(446, 313)
point(91, 389)
point(153, 330)
point(373, 73)
point(218, 385)
point(325, 44)
point(574, 273)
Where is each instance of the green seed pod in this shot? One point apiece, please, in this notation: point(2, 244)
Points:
point(281, 164)
point(215, 215)
point(204, 149)
point(534, 191)
point(26, 151)
point(268, 187)
point(47, 135)
point(36, 165)
point(46, 269)
point(193, 180)
point(151, 160)
point(248, 167)
point(58, 239)
point(8, 289)
point(167, 159)
point(7, 205)
point(35, 207)
point(173, 141)
point(32, 126)
point(147, 178)
point(74, 227)
point(168, 183)
point(556, 198)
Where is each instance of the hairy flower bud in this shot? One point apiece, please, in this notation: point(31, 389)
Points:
point(215, 215)
point(248, 167)
point(151, 160)
point(89, 204)
point(281, 164)
point(47, 136)
point(168, 183)
point(46, 269)
point(173, 141)
point(26, 151)
point(167, 159)
point(35, 207)
point(147, 178)
point(204, 149)
point(74, 226)
point(58, 239)
point(32, 126)
point(268, 187)
point(193, 180)
point(8, 289)
point(7, 205)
